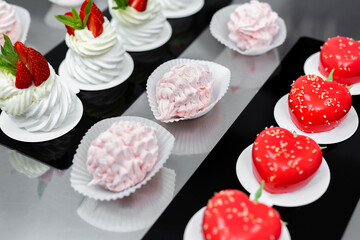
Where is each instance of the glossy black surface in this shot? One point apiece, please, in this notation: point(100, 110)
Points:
point(113, 102)
point(326, 218)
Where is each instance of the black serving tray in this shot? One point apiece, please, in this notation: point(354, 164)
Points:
point(325, 218)
point(99, 105)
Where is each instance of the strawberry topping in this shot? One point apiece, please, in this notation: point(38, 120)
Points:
point(38, 66)
point(138, 5)
point(22, 50)
point(23, 76)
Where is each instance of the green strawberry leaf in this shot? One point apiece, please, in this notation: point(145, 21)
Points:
point(9, 56)
point(323, 147)
point(330, 77)
point(121, 4)
point(283, 223)
point(87, 12)
point(77, 19)
point(69, 21)
point(350, 87)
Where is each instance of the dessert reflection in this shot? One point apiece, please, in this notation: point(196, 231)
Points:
point(33, 170)
point(132, 213)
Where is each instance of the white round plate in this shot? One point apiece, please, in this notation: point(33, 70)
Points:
point(80, 176)
point(13, 131)
point(125, 73)
point(311, 66)
point(303, 196)
point(193, 228)
point(163, 38)
point(342, 132)
point(220, 74)
point(24, 19)
point(220, 31)
point(136, 212)
point(67, 3)
point(193, 7)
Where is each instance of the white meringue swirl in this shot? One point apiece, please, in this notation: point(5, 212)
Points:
point(252, 25)
point(184, 91)
point(41, 108)
point(137, 28)
point(9, 23)
point(121, 156)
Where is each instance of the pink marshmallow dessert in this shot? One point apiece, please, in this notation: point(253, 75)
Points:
point(9, 23)
point(252, 25)
point(184, 91)
point(121, 157)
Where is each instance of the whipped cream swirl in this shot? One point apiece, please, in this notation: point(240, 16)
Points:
point(85, 44)
point(184, 91)
point(121, 156)
point(137, 28)
point(174, 5)
point(9, 23)
point(252, 25)
point(41, 108)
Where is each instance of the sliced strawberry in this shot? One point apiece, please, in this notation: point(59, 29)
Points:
point(94, 10)
point(95, 26)
point(70, 30)
point(138, 5)
point(23, 76)
point(38, 66)
point(22, 50)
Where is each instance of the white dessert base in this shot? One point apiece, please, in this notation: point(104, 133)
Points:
point(128, 67)
point(193, 228)
point(10, 128)
point(67, 3)
point(80, 176)
point(24, 20)
point(161, 40)
point(220, 31)
point(311, 66)
point(192, 8)
point(342, 132)
point(220, 74)
point(136, 212)
point(303, 196)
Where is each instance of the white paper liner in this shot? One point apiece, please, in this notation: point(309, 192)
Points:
point(193, 7)
point(311, 66)
point(127, 69)
point(340, 133)
point(13, 131)
point(162, 39)
point(193, 228)
point(25, 165)
point(67, 3)
point(25, 19)
point(80, 177)
point(133, 213)
point(219, 30)
point(303, 196)
point(220, 74)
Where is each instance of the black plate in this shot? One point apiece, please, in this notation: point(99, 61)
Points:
point(99, 105)
point(326, 218)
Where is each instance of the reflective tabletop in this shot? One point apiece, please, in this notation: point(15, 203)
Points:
point(37, 200)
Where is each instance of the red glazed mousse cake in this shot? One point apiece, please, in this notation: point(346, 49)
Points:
point(343, 55)
point(316, 105)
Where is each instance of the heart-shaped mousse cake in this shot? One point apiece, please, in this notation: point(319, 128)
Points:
point(317, 105)
point(343, 55)
point(230, 214)
point(285, 161)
